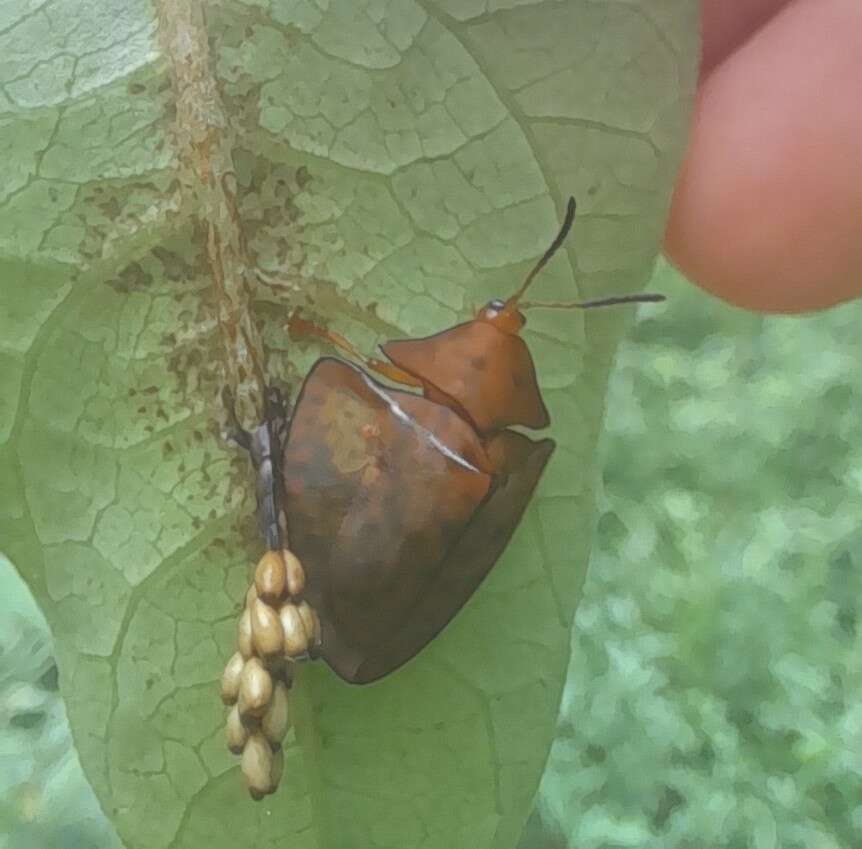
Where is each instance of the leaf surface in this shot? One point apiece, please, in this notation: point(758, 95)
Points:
point(390, 166)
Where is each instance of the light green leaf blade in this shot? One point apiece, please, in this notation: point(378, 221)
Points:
point(397, 165)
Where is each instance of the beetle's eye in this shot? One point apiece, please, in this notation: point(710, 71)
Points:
point(492, 310)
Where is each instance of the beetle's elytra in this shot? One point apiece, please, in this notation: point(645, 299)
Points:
point(400, 499)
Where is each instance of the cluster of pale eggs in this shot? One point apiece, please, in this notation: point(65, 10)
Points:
point(276, 629)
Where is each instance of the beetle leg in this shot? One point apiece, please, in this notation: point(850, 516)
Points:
point(301, 327)
point(275, 420)
point(276, 414)
point(235, 431)
point(268, 506)
point(275, 407)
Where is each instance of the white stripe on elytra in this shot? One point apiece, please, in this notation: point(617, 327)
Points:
point(400, 414)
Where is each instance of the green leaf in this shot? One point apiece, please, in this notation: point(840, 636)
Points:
point(394, 166)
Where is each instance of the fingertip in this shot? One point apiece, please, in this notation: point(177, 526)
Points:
point(726, 24)
point(767, 210)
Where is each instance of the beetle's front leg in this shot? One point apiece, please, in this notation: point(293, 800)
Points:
point(263, 446)
point(268, 503)
point(235, 431)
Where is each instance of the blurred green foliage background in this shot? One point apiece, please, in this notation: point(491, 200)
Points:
point(714, 691)
point(45, 802)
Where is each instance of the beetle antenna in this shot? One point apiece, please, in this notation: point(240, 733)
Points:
point(546, 256)
point(644, 298)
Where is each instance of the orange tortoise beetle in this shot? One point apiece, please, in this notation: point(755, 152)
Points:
point(394, 502)
point(399, 501)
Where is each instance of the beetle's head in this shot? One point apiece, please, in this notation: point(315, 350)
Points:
point(504, 315)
